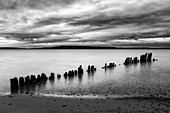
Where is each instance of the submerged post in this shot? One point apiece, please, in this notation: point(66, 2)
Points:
point(149, 58)
point(80, 70)
point(135, 61)
point(27, 80)
point(21, 82)
point(33, 79)
point(89, 69)
point(38, 78)
point(14, 85)
point(43, 77)
point(52, 76)
point(58, 76)
point(65, 75)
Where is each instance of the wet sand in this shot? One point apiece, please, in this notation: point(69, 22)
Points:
point(27, 103)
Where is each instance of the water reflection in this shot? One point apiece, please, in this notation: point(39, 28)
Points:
point(52, 82)
point(146, 65)
point(14, 91)
point(91, 75)
point(32, 88)
point(80, 77)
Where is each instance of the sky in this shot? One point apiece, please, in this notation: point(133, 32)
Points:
point(108, 23)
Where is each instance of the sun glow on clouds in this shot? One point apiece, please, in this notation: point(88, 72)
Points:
point(9, 43)
point(41, 23)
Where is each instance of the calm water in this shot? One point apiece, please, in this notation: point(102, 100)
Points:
point(134, 80)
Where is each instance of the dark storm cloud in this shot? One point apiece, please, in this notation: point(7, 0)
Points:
point(23, 37)
point(38, 37)
point(99, 22)
point(149, 19)
point(2, 21)
point(14, 4)
point(51, 21)
point(51, 40)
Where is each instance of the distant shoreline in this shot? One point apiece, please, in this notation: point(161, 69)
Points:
point(84, 47)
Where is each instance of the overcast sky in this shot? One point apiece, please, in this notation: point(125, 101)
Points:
point(115, 23)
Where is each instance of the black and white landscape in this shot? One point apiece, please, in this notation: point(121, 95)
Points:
point(76, 56)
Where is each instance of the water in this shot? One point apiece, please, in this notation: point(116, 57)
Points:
point(134, 80)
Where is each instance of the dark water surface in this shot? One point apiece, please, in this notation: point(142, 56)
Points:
point(133, 80)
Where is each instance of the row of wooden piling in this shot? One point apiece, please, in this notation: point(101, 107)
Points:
point(147, 57)
point(111, 65)
point(21, 82)
point(130, 60)
point(91, 69)
point(29, 80)
point(74, 73)
point(17, 84)
point(70, 74)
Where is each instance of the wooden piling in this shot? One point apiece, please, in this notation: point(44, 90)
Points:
point(14, 84)
point(52, 76)
point(27, 80)
point(21, 81)
point(58, 76)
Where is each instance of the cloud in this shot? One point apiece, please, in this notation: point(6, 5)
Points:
point(52, 39)
point(33, 23)
point(36, 4)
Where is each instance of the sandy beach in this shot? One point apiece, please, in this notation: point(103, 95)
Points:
point(26, 103)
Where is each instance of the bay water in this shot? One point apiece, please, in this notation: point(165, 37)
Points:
point(133, 80)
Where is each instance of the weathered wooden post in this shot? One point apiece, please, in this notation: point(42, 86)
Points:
point(80, 70)
point(72, 73)
point(38, 78)
point(27, 80)
point(95, 69)
point(58, 76)
point(142, 58)
point(43, 77)
point(126, 61)
point(92, 68)
point(14, 85)
point(149, 58)
point(75, 72)
point(105, 65)
point(65, 75)
point(69, 74)
point(21, 81)
point(131, 61)
point(33, 79)
point(135, 60)
point(145, 58)
point(110, 65)
point(52, 76)
point(89, 69)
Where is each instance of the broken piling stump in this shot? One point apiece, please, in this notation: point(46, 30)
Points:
point(14, 85)
point(21, 82)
